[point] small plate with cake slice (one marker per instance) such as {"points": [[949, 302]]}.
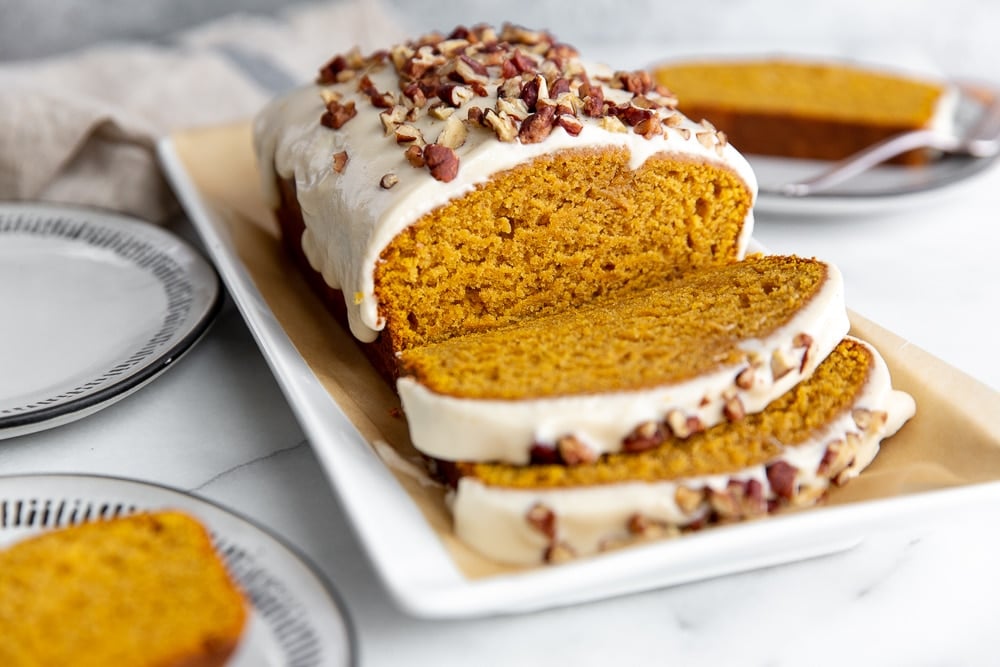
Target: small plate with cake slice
{"points": [[798, 118], [193, 582]]}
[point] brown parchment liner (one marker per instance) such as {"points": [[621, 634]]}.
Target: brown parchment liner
{"points": [[953, 440]]}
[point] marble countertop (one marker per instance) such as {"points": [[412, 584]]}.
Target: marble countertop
{"points": [[917, 593]]}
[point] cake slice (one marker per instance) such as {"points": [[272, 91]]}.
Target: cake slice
{"points": [[826, 429], [463, 182], [140, 591], [622, 374], [808, 108]]}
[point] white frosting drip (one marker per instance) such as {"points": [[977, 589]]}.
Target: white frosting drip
{"points": [[492, 519], [453, 428], [349, 219]]}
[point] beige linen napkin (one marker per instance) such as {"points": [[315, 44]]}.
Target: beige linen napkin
{"points": [[81, 128]]}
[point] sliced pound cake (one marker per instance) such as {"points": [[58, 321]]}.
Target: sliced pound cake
{"points": [[140, 591], [826, 429], [621, 374]]}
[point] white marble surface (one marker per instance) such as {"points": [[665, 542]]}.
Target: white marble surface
{"points": [[917, 593]]}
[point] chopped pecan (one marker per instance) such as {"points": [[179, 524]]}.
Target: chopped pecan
{"points": [[745, 378], [441, 161], [835, 459], [781, 364], [638, 82], [533, 90], [339, 161], [852, 443], [646, 435], [733, 409], [501, 123], [408, 134], [543, 454], [414, 92], [649, 128], [574, 452], [613, 124], [781, 475], [683, 426], [689, 500], [542, 519], [455, 94], [392, 118], [642, 526], [593, 99], [558, 553], [415, 156], [337, 114], [803, 340], [570, 123], [537, 126], [725, 504], [453, 133], [515, 107], [440, 110]]}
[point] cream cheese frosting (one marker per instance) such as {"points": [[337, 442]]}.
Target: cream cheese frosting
{"points": [[531, 526], [349, 219], [455, 428]]}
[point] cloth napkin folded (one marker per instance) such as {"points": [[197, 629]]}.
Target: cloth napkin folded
{"points": [[82, 128]]}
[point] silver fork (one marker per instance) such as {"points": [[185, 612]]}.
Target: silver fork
{"points": [[982, 141]]}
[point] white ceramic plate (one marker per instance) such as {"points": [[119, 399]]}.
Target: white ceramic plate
{"points": [[414, 565], [296, 619], [94, 306], [881, 188]]}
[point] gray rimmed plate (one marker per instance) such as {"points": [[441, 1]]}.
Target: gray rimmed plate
{"points": [[94, 305], [296, 617]]}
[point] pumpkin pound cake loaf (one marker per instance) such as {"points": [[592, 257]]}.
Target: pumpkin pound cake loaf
{"points": [[621, 374], [809, 109], [146, 590], [826, 429], [465, 182]]}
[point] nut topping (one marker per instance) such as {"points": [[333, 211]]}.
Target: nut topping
{"points": [[781, 364], [733, 409], [453, 134], [542, 519], [442, 162], [415, 156], [337, 114], [689, 500], [782, 475], [408, 134], [682, 426], [574, 452], [339, 161], [646, 435], [746, 377], [388, 181]]}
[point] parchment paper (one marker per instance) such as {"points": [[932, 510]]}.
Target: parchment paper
{"points": [[953, 440]]}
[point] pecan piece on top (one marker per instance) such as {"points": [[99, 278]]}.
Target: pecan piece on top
{"points": [[441, 161]]}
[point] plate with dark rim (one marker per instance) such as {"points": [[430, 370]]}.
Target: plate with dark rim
{"points": [[95, 306], [296, 617]]}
